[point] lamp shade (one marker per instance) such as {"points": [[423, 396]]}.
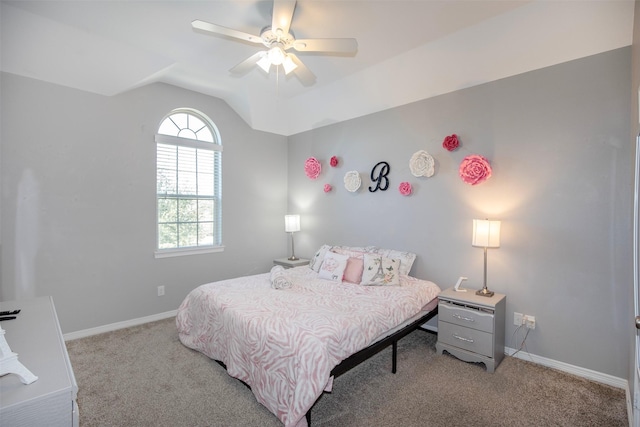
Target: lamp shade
{"points": [[288, 64], [291, 223], [264, 63], [486, 233], [276, 55]]}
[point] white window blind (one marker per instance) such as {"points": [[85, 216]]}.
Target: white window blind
{"points": [[188, 165]]}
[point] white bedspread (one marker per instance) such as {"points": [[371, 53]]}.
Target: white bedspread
{"points": [[285, 342]]}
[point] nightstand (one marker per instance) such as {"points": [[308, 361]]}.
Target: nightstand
{"points": [[471, 327], [287, 263]]}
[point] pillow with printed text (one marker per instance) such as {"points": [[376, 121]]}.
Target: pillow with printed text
{"points": [[333, 266]]}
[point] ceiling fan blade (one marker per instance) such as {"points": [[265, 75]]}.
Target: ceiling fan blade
{"points": [[282, 15], [326, 45], [248, 63], [209, 28], [304, 74]]}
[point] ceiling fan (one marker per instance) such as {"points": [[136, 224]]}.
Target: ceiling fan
{"points": [[279, 39]]}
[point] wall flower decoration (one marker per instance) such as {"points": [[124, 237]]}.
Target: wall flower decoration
{"points": [[327, 188], [352, 181], [474, 169], [333, 162], [312, 167], [422, 164], [405, 188], [451, 142]]}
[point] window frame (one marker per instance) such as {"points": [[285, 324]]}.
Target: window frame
{"points": [[214, 146]]}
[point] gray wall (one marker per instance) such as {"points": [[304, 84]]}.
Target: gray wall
{"points": [[559, 143], [78, 200]]}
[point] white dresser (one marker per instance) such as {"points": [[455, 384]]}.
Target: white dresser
{"points": [[36, 337]]}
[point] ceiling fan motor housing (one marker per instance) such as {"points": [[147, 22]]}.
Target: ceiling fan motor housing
{"points": [[269, 37]]}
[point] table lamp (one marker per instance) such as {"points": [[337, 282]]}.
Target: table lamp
{"points": [[486, 234], [291, 225]]}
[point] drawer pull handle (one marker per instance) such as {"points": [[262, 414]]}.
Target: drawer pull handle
{"points": [[466, 319], [469, 340]]}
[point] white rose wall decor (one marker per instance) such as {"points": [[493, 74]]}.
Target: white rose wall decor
{"points": [[422, 164], [352, 181]]}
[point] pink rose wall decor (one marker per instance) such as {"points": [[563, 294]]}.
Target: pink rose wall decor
{"points": [[333, 162], [327, 188], [451, 142], [405, 188], [312, 167], [474, 169]]}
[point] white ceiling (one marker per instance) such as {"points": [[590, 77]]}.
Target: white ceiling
{"points": [[407, 50]]}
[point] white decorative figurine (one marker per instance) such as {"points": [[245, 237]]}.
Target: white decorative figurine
{"points": [[458, 283], [9, 362]]}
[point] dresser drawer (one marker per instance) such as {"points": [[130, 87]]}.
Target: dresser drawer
{"points": [[467, 317], [478, 342]]}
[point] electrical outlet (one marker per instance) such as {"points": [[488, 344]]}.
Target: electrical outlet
{"points": [[160, 291], [530, 321], [518, 319]]}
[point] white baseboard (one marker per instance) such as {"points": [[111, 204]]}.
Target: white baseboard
{"points": [[571, 369], [630, 414], [119, 325], [580, 372]]}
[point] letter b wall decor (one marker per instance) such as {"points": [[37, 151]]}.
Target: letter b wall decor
{"points": [[379, 176]]}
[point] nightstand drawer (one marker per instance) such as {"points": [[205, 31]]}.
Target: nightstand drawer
{"points": [[469, 339], [467, 317]]}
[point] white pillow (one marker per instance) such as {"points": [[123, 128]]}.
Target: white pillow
{"points": [[379, 270], [333, 266], [318, 257]]}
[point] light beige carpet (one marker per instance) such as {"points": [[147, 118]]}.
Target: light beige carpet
{"points": [[144, 376]]}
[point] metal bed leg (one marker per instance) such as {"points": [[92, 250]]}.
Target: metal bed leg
{"points": [[394, 356]]}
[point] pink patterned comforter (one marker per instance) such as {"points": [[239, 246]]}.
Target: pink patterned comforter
{"points": [[284, 343]]}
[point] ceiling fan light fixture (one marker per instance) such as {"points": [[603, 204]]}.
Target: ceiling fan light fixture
{"points": [[264, 63], [276, 55], [289, 65]]}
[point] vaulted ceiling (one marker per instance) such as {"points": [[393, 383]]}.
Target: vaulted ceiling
{"points": [[407, 50]]}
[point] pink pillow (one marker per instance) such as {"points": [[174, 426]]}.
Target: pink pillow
{"points": [[353, 271]]}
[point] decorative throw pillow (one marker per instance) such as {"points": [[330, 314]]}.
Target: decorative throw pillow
{"points": [[406, 259], [353, 272], [317, 259], [333, 266], [379, 270]]}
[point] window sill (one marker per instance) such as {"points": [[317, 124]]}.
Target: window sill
{"points": [[168, 253]]}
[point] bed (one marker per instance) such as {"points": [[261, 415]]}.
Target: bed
{"points": [[288, 342]]}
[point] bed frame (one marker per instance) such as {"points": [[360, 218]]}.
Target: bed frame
{"points": [[356, 358]]}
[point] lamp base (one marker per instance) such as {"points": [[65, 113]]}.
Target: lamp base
{"points": [[484, 292], [293, 258]]}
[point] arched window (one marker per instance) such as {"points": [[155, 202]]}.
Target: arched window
{"points": [[189, 184]]}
